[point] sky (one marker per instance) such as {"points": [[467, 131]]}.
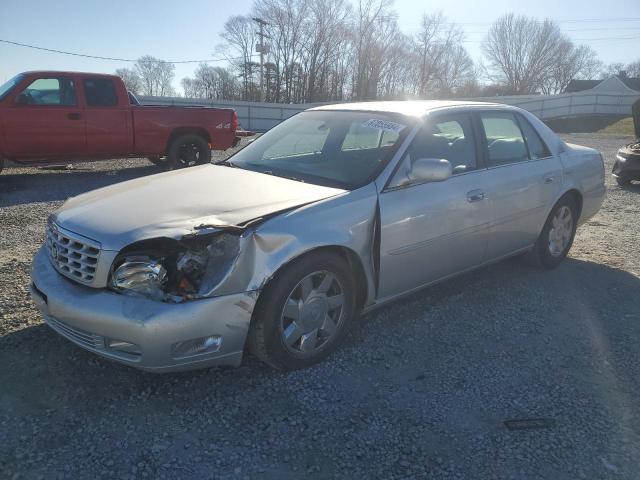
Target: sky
{"points": [[189, 29]]}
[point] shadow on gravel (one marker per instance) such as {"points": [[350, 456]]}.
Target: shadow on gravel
{"points": [[37, 357], [444, 368], [48, 186], [634, 187]]}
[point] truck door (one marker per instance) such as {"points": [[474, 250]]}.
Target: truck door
{"points": [[45, 120], [108, 118]]}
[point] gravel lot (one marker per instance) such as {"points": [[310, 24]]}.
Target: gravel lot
{"points": [[421, 389]]}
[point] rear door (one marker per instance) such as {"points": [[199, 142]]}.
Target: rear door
{"points": [[45, 120], [524, 180], [432, 230], [108, 118]]}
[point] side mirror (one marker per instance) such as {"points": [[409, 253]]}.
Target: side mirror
{"points": [[430, 170], [22, 99]]}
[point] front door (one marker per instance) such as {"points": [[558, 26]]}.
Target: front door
{"points": [[45, 121], [432, 230]]}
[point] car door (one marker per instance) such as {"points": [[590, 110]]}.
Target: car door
{"points": [[432, 230], [108, 118], [524, 180], [45, 120]]}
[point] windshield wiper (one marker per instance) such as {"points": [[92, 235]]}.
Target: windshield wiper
{"points": [[270, 172], [227, 163]]}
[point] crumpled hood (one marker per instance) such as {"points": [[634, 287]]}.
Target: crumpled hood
{"points": [[172, 204]]}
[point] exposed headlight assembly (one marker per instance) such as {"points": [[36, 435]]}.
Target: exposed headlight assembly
{"points": [[140, 275], [184, 270]]}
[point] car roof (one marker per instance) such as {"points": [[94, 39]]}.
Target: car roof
{"points": [[413, 108]]}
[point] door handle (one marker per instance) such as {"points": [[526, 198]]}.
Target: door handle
{"points": [[548, 179], [74, 116], [475, 196]]}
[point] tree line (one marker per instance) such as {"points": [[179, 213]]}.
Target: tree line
{"points": [[334, 50]]}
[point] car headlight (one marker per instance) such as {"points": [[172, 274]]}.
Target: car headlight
{"points": [[140, 275], [175, 271]]}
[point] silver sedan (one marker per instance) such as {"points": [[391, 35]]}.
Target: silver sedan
{"points": [[334, 212]]}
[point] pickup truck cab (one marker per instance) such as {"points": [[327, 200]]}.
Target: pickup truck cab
{"points": [[58, 117]]}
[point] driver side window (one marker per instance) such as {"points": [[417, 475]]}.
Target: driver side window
{"points": [[49, 91], [447, 137]]}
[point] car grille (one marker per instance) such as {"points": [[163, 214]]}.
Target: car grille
{"points": [[81, 337], [72, 255]]}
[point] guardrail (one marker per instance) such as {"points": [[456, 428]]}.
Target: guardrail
{"points": [[260, 116]]}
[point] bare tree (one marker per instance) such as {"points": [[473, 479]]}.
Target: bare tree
{"points": [[633, 69], [130, 78], [156, 76], [240, 37], [612, 69], [522, 51], [571, 62], [442, 63]]}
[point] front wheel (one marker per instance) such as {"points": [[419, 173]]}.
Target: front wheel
{"points": [[304, 314], [188, 150], [557, 235]]}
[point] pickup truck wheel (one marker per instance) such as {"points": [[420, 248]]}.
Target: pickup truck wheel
{"points": [[557, 235], [304, 313], [188, 150]]}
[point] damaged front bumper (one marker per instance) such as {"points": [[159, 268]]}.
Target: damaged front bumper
{"points": [[139, 332]]}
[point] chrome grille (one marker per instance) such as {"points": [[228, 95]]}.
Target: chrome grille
{"points": [[74, 334], [71, 254]]}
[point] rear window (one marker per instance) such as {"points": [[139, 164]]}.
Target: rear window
{"points": [[100, 92], [537, 148]]}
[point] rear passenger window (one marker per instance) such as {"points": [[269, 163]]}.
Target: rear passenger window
{"points": [[100, 92], [537, 148], [505, 143], [450, 138]]}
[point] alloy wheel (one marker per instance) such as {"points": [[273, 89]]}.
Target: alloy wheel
{"points": [[561, 231], [312, 313]]}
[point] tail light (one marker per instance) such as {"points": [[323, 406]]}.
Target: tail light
{"points": [[234, 121]]}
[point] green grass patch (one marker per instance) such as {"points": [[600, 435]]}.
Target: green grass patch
{"points": [[621, 127]]}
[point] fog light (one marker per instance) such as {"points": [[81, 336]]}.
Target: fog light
{"points": [[197, 346], [122, 346]]}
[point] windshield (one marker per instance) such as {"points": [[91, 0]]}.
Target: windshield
{"points": [[6, 87], [342, 149]]}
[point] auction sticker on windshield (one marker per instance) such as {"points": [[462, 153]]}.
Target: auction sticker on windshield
{"points": [[384, 125]]}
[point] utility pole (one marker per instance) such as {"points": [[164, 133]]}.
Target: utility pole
{"points": [[262, 49]]}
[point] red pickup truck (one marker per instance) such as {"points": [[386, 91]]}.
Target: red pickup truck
{"points": [[67, 116]]}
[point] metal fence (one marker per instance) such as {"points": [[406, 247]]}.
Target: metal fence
{"points": [[260, 117]]}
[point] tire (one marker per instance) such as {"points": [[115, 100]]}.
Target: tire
{"points": [[551, 249], [187, 151], [623, 181], [277, 338]]}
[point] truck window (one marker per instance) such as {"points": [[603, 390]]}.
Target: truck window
{"points": [[100, 92], [50, 91]]}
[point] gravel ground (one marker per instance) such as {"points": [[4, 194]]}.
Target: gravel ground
{"points": [[421, 389]]}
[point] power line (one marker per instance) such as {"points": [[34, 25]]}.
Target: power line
{"points": [[583, 20], [97, 57]]}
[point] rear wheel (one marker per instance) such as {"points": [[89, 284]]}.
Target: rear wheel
{"points": [[304, 314], [557, 235], [188, 150]]}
